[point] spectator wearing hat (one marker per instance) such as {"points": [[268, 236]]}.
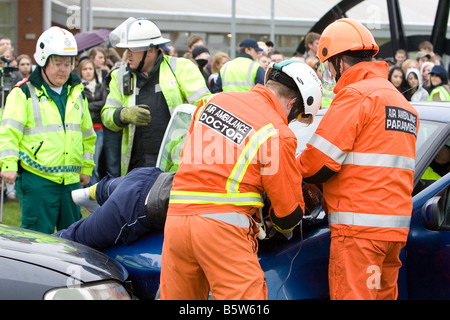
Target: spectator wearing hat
{"points": [[422, 57], [165, 49], [428, 47], [201, 56], [440, 89], [391, 62], [242, 73]]}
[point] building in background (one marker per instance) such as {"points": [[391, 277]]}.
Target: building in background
{"points": [[285, 22]]}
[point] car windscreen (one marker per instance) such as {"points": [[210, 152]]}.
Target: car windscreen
{"points": [[428, 131]]}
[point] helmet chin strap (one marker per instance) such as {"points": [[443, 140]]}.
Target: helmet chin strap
{"points": [[141, 64], [48, 79], [337, 67], [298, 108]]}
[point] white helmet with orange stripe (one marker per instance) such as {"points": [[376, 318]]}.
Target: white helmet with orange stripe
{"points": [[55, 41]]}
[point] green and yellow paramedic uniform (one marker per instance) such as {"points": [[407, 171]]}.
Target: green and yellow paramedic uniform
{"points": [[48, 138]]}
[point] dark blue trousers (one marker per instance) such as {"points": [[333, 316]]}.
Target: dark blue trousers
{"points": [[121, 217]]}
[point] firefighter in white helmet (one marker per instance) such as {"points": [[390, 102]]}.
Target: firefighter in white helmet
{"points": [[47, 142], [144, 93]]}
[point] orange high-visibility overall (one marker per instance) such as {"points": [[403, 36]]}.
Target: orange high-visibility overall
{"points": [[367, 138], [238, 146]]}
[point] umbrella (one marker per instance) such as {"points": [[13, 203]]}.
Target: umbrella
{"points": [[89, 39]]}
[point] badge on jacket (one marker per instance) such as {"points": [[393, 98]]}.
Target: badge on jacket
{"points": [[225, 123]]}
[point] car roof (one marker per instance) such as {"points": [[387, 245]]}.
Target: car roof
{"points": [[432, 110]]}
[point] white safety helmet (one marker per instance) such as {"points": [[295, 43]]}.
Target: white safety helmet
{"points": [[137, 35], [298, 76], [55, 41]]}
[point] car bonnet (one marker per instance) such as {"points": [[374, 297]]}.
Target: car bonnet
{"points": [[80, 262]]}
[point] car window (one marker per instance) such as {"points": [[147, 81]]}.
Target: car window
{"points": [[428, 132]]}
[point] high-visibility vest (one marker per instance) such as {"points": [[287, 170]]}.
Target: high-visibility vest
{"points": [[440, 92], [327, 98], [32, 130], [180, 82], [238, 146], [368, 138], [239, 74], [430, 174]]}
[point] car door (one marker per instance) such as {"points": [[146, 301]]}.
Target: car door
{"points": [[427, 253]]}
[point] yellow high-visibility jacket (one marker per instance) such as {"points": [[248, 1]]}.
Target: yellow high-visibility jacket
{"points": [[239, 74], [180, 82], [33, 132]]}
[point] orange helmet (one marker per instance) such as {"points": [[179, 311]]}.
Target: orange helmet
{"points": [[345, 35]]}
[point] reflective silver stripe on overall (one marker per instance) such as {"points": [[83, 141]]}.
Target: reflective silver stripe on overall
{"points": [[234, 218], [369, 220], [361, 159]]}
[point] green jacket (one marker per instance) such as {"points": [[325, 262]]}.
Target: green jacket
{"points": [[180, 82], [56, 142]]}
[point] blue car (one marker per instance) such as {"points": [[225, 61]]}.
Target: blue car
{"points": [[296, 265]]}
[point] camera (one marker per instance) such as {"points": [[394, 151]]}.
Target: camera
{"points": [[127, 84], [7, 77]]}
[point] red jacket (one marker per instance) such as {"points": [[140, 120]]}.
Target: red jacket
{"points": [[238, 146], [364, 152]]}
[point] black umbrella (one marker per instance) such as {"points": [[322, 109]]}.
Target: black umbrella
{"points": [[89, 39]]}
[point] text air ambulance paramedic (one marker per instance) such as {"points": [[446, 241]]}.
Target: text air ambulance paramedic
{"points": [[364, 153]]}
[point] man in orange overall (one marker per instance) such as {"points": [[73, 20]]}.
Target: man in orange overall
{"points": [[239, 145], [364, 154]]}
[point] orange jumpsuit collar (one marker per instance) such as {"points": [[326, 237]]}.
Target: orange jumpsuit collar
{"points": [[362, 71]]}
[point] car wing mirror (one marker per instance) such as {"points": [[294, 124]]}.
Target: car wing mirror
{"points": [[434, 215]]}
